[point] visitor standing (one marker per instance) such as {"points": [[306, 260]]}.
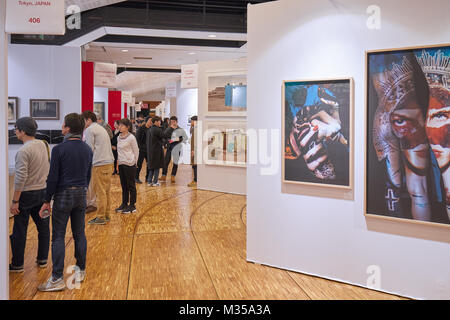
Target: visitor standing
{"points": [[98, 139], [141, 137], [193, 131], [31, 170], [176, 136], [104, 124], [128, 154], [156, 154], [68, 179], [114, 144]]}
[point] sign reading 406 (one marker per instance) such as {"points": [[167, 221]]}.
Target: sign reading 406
{"points": [[35, 17]]}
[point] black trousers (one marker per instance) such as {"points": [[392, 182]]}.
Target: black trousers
{"points": [[167, 159], [194, 168], [115, 160], [30, 203], [127, 176], [142, 156]]}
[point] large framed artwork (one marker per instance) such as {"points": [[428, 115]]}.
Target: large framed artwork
{"points": [[317, 132], [99, 108], [226, 143], [44, 109], [408, 134], [13, 109], [227, 94]]}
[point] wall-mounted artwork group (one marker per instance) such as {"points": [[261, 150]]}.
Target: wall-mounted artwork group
{"points": [[408, 134], [317, 132], [226, 143], [227, 95]]}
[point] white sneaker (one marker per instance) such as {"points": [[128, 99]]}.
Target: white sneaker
{"points": [[156, 184], [150, 184], [80, 275], [51, 285]]}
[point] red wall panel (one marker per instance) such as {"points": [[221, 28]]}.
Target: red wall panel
{"points": [[87, 86], [114, 106]]}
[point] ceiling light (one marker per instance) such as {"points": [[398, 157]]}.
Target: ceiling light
{"points": [[191, 53], [124, 50], [127, 62], [212, 36]]}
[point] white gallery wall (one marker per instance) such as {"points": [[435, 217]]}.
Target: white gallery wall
{"points": [[215, 177], [4, 174], [326, 236], [44, 72], [187, 106]]}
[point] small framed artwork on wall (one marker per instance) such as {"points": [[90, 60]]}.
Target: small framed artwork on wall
{"points": [[13, 109], [44, 109], [318, 132]]}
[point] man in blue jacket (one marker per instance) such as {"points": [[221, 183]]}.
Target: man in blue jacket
{"points": [[67, 183]]}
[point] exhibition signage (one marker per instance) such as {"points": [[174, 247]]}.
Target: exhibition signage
{"points": [[171, 90], [105, 75], [189, 76], [127, 97], [35, 17]]}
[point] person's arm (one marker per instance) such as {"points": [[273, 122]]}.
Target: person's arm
{"points": [[52, 181], [89, 173], [53, 175], [135, 148], [21, 175], [90, 139]]}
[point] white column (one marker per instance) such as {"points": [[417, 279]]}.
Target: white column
{"points": [[4, 172]]}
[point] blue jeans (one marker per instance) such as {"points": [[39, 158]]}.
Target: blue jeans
{"points": [[68, 203], [30, 203], [153, 176]]}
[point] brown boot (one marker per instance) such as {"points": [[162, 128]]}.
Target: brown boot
{"points": [[172, 179], [90, 209], [163, 178], [193, 184]]}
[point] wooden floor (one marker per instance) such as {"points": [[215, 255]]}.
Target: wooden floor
{"points": [[182, 243]]}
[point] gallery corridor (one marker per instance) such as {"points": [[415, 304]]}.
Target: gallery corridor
{"points": [[182, 243]]}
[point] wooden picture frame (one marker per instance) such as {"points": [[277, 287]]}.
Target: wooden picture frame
{"points": [[46, 114], [15, 112], [350, 139], [221, 76], [368, 138], [228, 126]]}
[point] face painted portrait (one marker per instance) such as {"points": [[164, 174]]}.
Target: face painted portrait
{"points": [[317, 132], [408, 137]]}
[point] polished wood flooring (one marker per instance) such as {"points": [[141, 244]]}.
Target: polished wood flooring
{"points": [[182, 243]]}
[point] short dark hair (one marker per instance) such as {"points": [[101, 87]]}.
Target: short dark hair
{"points": [[125, 122], [89, 115], [155, 119], [75, 122], [27, 125], [174, 118], [194, 118]]}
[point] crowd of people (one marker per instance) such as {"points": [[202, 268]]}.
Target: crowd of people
{"points": [[77, 174]]}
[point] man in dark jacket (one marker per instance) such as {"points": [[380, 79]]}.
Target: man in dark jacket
{"points": [[141, 137], [175, 136], [155, 151]]}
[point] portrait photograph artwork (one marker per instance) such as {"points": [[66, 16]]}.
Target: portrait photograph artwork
{"points": [[43, 109], [13, 109], [317, 130], [408, 149]]}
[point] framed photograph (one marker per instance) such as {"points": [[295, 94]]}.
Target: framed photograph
{"points": [[12, 138], [317, 132], [226, 143], [407, 134], [56, 136], [13, 109], [99, 108], [227, 94], [44, 135], [44, 109]]}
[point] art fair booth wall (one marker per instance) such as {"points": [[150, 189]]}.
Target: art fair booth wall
{"points": [[318, 230], [217, 177]]}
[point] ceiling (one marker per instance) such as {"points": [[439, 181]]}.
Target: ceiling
{"points": [[144, 83]]}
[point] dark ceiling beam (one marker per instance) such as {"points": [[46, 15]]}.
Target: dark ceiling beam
{"points": [[156, 70], [171, 41]]}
